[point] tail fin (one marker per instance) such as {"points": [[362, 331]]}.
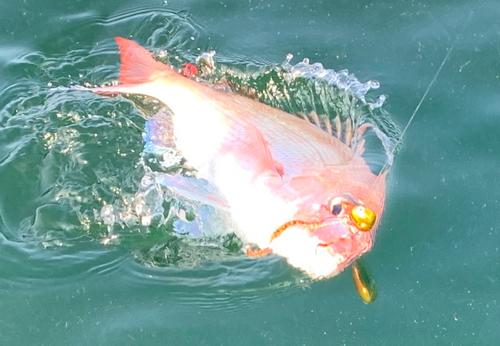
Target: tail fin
{"points": [[137, 63]]}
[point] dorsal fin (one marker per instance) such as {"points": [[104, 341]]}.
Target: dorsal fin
{"points": [[137, 63], [364, 139], [343, 130]]}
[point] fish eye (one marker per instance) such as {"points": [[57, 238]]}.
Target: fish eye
{"points": [[338, 206], [336, 209], [364, 218]]}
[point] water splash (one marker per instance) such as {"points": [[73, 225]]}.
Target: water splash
{"points": [[335, 98], [341, 79]]}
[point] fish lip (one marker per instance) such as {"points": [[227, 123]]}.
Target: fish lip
{"points": [[332, 228], [315, 227]]}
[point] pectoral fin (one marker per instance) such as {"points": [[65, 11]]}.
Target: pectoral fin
{"points": [[194, 189]]}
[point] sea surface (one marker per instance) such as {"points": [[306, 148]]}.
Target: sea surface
{"points": [[65, 154]]}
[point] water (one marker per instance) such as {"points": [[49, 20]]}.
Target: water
{"points": [[436, 258]]}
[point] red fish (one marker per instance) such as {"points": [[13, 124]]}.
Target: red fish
{"points": [[291, 188]]}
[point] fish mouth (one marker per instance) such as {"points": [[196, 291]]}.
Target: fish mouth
{"points": [[315, 228], [323, 250], [311, 227], [289, 224]]}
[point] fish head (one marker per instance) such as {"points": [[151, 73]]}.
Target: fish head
{"points": [[324, 238]]}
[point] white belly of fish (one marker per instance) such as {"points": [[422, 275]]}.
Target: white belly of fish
{"points": [[254, 206]]}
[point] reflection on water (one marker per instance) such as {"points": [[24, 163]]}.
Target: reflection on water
{"points": [[218, 283]]}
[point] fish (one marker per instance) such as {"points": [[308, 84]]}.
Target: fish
{"points": [[292, 189]]}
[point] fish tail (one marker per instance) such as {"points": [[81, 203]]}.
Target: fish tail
{"points": [[137, 63]]}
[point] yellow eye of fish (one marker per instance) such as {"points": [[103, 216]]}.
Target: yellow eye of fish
{"points": [[364, 218]]}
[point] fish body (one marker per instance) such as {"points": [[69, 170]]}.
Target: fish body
{"points": [[291, 188]]}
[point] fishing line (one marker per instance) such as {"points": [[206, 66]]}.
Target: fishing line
{"points": [[422, 99], [424, 96]]}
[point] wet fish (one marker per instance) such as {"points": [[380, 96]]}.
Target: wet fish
{"points": [[291, 188]]}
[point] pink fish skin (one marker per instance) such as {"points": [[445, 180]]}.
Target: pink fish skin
{"points": [[290, 187]]}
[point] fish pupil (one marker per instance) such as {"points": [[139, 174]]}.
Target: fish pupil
{"points": [[337, 209]]}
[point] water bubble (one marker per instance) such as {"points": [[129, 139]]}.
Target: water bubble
{"points": [[379, 103], [107, 215], [374, 84]]}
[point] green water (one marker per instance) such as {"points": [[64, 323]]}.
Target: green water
{"points": [[436, 258]]}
